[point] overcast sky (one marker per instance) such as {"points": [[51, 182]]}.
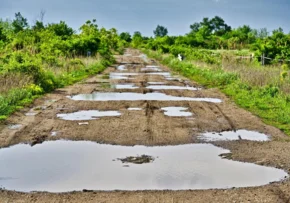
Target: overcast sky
{"points": [[145, 15]]}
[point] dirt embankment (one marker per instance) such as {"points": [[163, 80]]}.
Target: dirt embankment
{"points": [[149, 127]]}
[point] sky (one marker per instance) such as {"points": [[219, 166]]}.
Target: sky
{"points": [[145, 15]]}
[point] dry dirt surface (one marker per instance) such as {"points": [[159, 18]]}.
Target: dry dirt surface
{"points": [[149, 127]]}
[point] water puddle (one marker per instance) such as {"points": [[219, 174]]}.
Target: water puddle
{"points": [[31, 113], [127, 96], [14, 126], [234, 135], [87, 115], [121, 76], [156, 83], [134, 109], [165, 74], [176, 111], [173, 79], [168, 87], [63, 166], [124, 86], [84, 123], [144, 57], [151, 68], [122, 68]]}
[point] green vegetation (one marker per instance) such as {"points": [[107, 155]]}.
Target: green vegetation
{"points": [[35, 59], [264, 99], [160, 31], [218, 56]]}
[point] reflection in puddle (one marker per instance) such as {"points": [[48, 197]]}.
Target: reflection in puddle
{"points": [[156, 83], [165, 74], [176, 111], [173, 79], [87, 115], [231, 135], [168, 87], [62, 166], [135, 109], [120, 76], [125, 86], [122, 68], [31, 113], [14, 126], [125, 96], [151, 68], [144, 57]]}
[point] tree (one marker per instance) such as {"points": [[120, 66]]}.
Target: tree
{"points": [[137, 34], [195, 27], [137, 39], [263, 33], [61, 29], [219, 26], [126, 36], [38, 25], [160, 31], [19, 23], [2, 36]]}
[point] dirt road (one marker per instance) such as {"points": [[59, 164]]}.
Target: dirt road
{"points": [[150, 127]]}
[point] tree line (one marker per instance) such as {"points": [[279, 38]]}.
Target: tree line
{"points": [[216, 34]]}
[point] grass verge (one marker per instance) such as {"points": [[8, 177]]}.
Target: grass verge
{"points": [[13, 99], [268, 102]]}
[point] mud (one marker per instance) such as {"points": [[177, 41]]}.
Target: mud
{"points": [[150, 127], [137, 159]]}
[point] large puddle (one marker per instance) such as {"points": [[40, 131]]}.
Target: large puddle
{"points": [[234, 135], [176, 111], [169, 87], [125, 96], [87, 115], [62, 166]]}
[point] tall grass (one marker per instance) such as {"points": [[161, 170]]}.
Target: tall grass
{"points": [[260, 90], [19, 89]]}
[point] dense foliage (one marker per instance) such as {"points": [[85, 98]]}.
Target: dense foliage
{"points": [[213, 34], [49, 56]]}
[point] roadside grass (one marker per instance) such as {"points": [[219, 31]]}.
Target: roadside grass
{"points": [[18, 90], [260, 90]]}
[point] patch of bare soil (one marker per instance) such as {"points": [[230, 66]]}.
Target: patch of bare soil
{"points": [[149, 127]]}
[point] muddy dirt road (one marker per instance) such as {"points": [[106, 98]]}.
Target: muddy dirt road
{"points": [[134, 103]]}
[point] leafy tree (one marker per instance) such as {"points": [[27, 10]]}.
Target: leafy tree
{"points": [[137, 39], [262, 33], [160, 31], [19, 23], [38, 25], [61, 29], [2, 35], [126, 36], [195, 27], [137, 34]]}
